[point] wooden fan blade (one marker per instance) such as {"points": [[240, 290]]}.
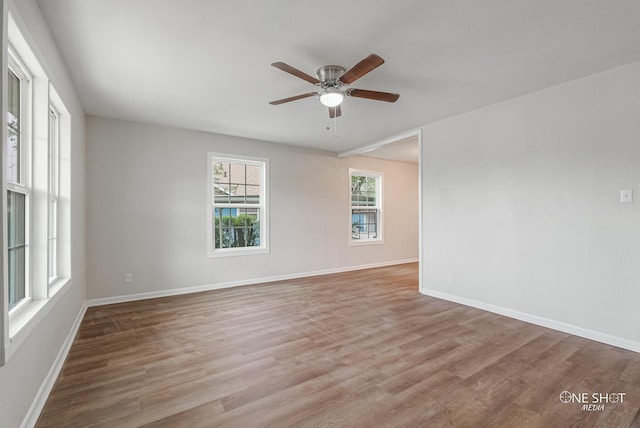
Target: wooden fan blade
{"points": [[373, 95], [361, 68], [297, 97], [294, 71], [335, 112]]}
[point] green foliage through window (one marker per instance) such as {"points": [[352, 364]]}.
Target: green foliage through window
{"points": [[363, 190], [236, 231]]}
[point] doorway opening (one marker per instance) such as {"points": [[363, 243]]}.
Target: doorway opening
{"points": [[406, 147]]}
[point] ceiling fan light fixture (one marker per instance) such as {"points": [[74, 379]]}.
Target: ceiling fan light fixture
{"points": [[331, 97]]}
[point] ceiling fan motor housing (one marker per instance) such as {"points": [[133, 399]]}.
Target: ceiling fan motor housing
{"points": [[329, 75]]}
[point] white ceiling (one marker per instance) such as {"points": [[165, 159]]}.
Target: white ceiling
{"points": [[205, 65]]}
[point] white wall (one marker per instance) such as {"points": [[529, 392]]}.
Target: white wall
{"points": [[521, 204], [24, 372], [146, 210]]}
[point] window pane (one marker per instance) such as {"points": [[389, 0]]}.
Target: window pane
{"points": [[16, 249], [254, 178], [221, 193], [52, 259], [236, 227], [52, 250], [236, 183], [53, 205], [252, 194], [363, 191], [364, 224], [237, 175], [13, 134], [53, 152]]}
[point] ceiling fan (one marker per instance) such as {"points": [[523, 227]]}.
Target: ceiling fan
{"points": [[332, 79]]}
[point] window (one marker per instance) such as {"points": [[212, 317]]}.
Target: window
{"points": [[18, 191], [37, 192], [366, 206], [52, 214], [237, 205]]}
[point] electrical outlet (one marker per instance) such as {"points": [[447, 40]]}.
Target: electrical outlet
{"points": [[626, 196], [128, 278], [450, 278]]}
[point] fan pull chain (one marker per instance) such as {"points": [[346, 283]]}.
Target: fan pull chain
{"points": [[335, 126]]}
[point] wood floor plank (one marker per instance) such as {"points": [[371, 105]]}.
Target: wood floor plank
{"points": [[360, 348]]}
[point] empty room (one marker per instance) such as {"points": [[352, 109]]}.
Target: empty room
{"points": [[320, 214]]}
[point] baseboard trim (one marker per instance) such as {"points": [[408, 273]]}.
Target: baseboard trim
{"points": [[229, 284], [537, 320], [50, 379]]}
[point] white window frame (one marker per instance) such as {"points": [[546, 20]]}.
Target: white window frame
{"points": [[23, 186], [59, 192], [379, 177], [22, 319], [263, 206]]}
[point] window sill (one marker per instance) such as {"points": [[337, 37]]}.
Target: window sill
{"points": [[22, 324], [360, 243], [237, 252], [57, 285]]}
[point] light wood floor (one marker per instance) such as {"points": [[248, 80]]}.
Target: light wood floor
{"points": [[346, 350]]}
